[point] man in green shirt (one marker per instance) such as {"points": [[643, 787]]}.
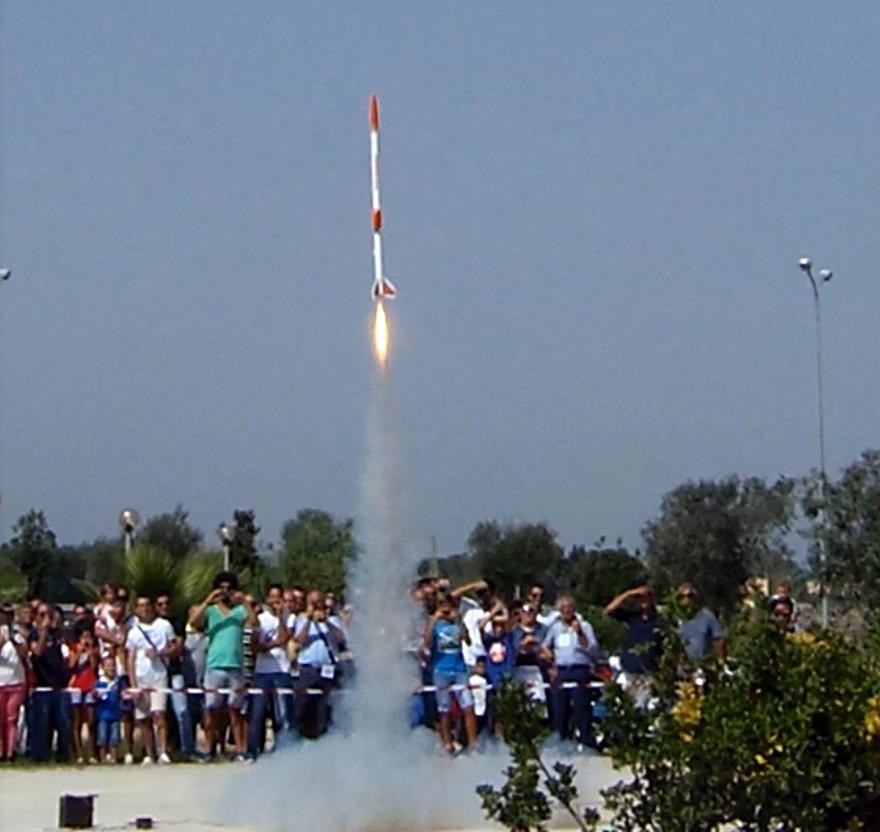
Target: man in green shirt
{"points": [[223, 616]]}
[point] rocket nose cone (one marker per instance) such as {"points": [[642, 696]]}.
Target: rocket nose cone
{"points": [[374, 113]]}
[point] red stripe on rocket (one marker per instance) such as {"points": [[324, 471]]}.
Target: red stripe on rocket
{"points": [[382, 287]]}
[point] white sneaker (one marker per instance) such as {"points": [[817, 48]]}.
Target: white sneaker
{"points": [[129, 759], [147, 761], [164, 759]]}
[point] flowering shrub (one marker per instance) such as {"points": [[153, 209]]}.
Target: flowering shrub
{"points": [[788, 737]]}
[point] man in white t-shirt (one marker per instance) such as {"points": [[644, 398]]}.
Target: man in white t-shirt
{"points": [[477, 617], [149, 645], [272, 674]]}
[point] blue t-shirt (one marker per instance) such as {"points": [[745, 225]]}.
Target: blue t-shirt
{"points": [[107, 694], [446, 653], [699, 634], [500, 658]]}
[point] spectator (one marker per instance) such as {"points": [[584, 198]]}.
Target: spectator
{"points": [[499, 660], [478, 684], [83, 661], [180, 702], [50, 706], [111, 628], [223, 615], [782, 610], [477, 615], [150, 643], [700, 631], [13, 656], [271, 673], [783, 590], [528, 635], [82, 619], [425, 595], [537, 598], [108, 598], [499, 652], [108, 710], [194, 661], [643, 643], [295, 600], [444, 636], [531, 658], [318, 638], [572, 642]]}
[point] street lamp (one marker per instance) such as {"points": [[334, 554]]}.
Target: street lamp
{"points": [[129, 520], [5, 274], [226, 533], [824, 276]]}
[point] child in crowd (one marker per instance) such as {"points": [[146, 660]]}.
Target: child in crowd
{"points": [[500, 662], [444, 635], [108, 693], [83, 662], [478, 683]]}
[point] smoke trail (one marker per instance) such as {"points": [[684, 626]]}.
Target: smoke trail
{"points": [[372, 773]]}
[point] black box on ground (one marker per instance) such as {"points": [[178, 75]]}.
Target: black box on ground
{"points": [[76, 811]]}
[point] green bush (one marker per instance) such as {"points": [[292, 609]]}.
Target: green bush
{"points": [[789, 738]]}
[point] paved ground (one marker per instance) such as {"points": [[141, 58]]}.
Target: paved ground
{"points": [[192, 798]]}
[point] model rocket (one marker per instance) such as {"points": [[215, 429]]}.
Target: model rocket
{"points": [[382, 287]]}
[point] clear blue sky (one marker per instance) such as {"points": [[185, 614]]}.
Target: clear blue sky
{"points": [[593, 213]]}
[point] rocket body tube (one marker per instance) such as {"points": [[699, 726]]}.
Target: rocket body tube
{"points": [[382, 287]]}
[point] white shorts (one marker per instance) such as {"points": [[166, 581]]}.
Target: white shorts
{"points": [[78, 697], [150, 702]]}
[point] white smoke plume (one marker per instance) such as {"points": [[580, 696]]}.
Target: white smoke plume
{"points": [[371, 773]]}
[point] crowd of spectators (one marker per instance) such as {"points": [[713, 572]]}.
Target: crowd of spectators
{"points": [[125, 678]]}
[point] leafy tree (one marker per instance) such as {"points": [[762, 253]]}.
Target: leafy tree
{"points": [[243, 548], [848, 528], [105, 561], [150, 571], [13, 584], [316, 550], [172, 532], [515, 555], [31, 550], [596, 576], [719, 534], [457, 569], [67, 564]]}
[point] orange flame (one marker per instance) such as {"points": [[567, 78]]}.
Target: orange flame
{"points": [[381, 335]]}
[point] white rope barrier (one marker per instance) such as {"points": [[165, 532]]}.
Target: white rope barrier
{"points": [[310, 691]]}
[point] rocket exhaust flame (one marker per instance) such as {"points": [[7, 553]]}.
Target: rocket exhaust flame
{"points": [[381, 335]]}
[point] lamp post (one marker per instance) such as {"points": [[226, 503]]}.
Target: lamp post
{"points": [[5, 274], [129, 520], [825, 275], [226, 533]]}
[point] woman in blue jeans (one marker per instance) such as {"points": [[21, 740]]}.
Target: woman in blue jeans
{"points": [[443, 638]]}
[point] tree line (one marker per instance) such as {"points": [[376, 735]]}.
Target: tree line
{"points": [[715, 533]]}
